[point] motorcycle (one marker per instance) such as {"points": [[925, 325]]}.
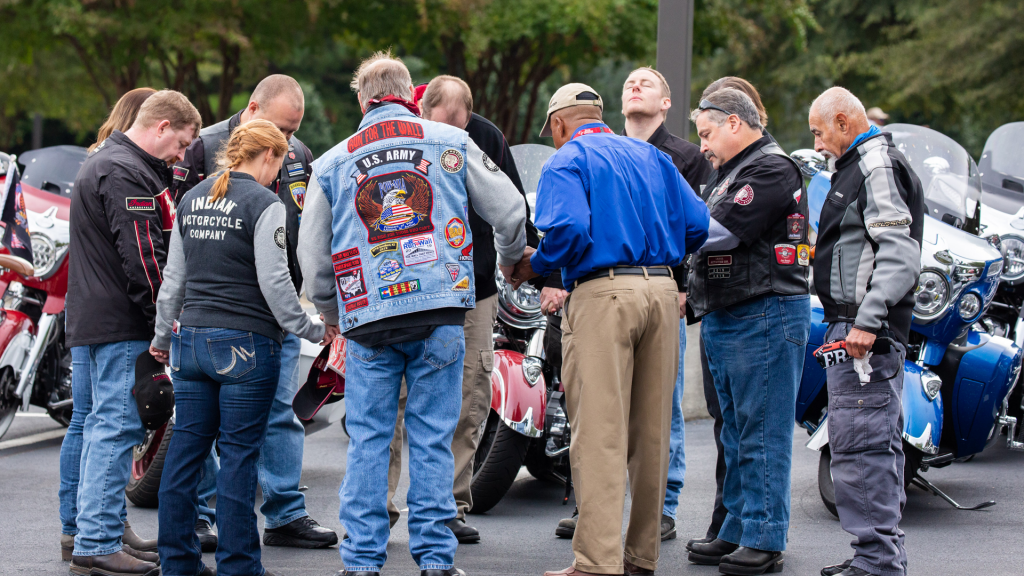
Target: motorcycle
{"points": [[35, 365], [956, 375], [1002, 224], [526, 423]]}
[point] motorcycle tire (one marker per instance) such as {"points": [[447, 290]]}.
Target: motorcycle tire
{"points": [[826, 488], [147, 466], [499, 456], [9, 403], [539, 465]]}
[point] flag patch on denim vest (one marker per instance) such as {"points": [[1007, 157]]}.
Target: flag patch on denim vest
{"points": [[400, 289], [395, 205], [351, 284], [389, 270]]}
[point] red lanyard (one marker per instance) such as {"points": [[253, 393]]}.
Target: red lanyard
{"points": [[597, 130]]}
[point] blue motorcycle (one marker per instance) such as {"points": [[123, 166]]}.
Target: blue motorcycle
{"points": [[957, 376]]}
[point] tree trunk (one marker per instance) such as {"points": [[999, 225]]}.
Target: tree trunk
{"points": [[230, 54]]}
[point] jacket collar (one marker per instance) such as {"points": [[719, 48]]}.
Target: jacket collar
{"points": [[384, 112], [158, 165], [761, 142], [234, 121], [658, 138], [853, 153]]}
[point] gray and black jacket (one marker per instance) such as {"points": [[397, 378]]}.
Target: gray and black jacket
{"points": [[227, 268], [868, 253]]}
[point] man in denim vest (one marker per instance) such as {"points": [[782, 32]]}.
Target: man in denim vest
{"points": [[387, 254]]}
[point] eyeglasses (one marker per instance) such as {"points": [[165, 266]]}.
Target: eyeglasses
{"points": [[706, 105]]}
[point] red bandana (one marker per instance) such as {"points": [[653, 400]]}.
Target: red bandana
{"points": [[411, 106]]}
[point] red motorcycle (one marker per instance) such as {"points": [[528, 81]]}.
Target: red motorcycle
{"points": [[35, 366], [527, 423]]}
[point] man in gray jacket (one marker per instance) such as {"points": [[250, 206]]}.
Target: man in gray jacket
{"points": [[865, 270]]}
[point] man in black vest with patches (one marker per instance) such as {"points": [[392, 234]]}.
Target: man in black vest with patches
{"points": [[279, 99]]}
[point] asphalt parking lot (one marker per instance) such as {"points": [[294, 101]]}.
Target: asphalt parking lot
{"points": [[518, 535]]}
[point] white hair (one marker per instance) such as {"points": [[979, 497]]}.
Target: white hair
{"points": [[382, 75], [837, 100]]}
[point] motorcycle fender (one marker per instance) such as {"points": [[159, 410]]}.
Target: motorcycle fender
{"points": [[922, 416], [819, 439], [988, 367], [16, 336], [520, 406]]}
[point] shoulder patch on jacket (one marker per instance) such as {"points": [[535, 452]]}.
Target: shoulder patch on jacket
{"points": [[134, 204]]}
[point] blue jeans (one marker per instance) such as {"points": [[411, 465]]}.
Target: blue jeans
{"points": [[280, 463], [111, 429], [677, 445], [433, 372], [224, 382], [71, 447], [755, 351]]}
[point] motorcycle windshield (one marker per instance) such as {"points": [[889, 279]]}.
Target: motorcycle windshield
{"points": [[530, 159], [949, 176], [1002, 169], [53, 169]]}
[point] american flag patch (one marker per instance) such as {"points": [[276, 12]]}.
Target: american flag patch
{"points": [[400, 289], [295, 169], [397, 214], [422, 166]]}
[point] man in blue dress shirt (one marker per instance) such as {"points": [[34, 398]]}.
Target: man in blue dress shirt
{"points": [[617, 216]]}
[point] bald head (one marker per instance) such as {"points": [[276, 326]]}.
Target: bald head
{"points": [[837, 117], [449, 100], [278, 99], [566, 121]]}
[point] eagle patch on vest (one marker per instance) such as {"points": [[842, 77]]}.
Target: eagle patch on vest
{"points": [[395, 205]]}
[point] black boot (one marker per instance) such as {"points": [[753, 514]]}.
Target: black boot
{"points": [[465, 534], [668, 527], [449, 572], [705, 540], [854, 571], [710, 553], [835, 569], [748, 561], [208, 571], [347, 573], [567, 526], [302, 533], [207, 537]]}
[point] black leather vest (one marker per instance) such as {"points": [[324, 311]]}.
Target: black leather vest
{"points": [[778, 262]]}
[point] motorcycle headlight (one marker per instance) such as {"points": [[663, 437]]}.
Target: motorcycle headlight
{"points": [[1012, 248], [931, 295], [526, 298], [45, 253], [969, 306]]}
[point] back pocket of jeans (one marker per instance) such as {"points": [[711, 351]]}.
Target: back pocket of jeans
{"points": [[860, 422], [233, 357], [174, 356], [444, 346]]}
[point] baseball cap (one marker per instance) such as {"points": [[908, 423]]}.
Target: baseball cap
{"points": [[566, 97], [153, 391], [323, 386], [875, 113]]}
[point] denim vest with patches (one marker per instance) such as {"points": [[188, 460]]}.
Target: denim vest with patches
{"points": [[401, 243]]}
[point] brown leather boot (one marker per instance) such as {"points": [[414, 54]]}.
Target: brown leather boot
{"points": [[570, 571], [67, 547], [144, 556], [116, 564], [135, 541]]}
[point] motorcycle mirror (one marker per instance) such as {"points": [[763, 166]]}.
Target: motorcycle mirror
{"points": [[809, 161]]}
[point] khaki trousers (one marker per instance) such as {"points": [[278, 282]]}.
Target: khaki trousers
{"points": [[621, 356], [476, 402]]}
